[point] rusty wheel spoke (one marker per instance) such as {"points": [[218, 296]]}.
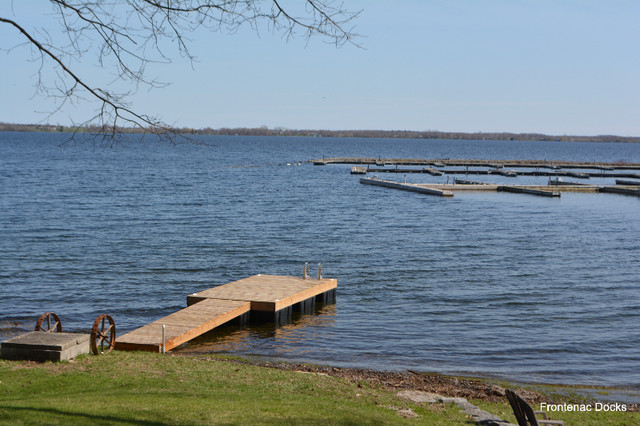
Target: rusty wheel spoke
{"points": [[103, 335], [49, 322]]}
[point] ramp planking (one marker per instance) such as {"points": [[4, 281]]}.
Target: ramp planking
{"points": [[182, 326]]}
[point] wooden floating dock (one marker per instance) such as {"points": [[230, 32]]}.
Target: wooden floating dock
{"points": [[521, 190], [448, 190], [619, 190], [468, 182], [549, 164], [265, 297], [406, 186], [565, 183], [602, 170], [627, 182], [433, 172], [509, 173]]}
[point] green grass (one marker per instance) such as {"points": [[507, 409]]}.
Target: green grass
{"points": [[127, 388]]}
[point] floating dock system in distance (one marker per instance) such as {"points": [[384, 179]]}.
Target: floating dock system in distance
{"points": [[406, 187], [478, 163], [265, 297], [447, 190]]}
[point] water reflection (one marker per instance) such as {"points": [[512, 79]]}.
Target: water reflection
{"points": [[288, 337], [9, 329]]}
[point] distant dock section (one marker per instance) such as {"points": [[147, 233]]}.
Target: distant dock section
{"points": [[413, 187], [448, 190], [496, 164], [548, 168], [264, 297], [438, 167]]}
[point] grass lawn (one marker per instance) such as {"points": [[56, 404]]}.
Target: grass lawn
{"points": [[127, 387], [136, 387]]}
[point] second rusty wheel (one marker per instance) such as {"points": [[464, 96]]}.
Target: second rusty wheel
{"points": [[49, 322], [103, 335]]}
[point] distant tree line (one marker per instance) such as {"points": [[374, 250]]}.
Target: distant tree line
{"points": [[279, 131]]}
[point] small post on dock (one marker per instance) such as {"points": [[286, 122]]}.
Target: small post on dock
{"points": [[305, 271], [319, 271], [163, 339]]}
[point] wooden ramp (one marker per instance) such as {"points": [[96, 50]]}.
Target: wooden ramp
{"points": [[208, 309]]}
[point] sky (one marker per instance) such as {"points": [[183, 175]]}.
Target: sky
{"points": [[524, 66]]}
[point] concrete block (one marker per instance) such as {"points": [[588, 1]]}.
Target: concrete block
{"points": [[41, 346]]}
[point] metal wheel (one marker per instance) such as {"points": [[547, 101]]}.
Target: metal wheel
{"points": [[103, 335], [49, 322]]}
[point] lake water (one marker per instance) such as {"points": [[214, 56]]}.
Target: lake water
{"points": [[492, 284]]}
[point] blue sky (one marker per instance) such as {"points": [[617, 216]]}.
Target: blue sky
{"points": [[555, 67]]}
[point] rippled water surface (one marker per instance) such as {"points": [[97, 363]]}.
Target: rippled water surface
{"points": [[493, 284]]}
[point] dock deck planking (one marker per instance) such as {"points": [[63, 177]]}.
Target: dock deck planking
{"points": [[269, 293], [211, 308]]}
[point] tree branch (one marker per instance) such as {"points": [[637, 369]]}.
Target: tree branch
{"points": [[128, 33]]}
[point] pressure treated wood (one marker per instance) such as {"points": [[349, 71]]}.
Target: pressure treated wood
{"points": [[182, 326], [211, 308], [267, 292]]}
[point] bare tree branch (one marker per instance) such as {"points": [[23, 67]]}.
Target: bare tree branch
{"points": [[125, 36]]}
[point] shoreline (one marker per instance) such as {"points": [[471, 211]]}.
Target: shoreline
{"points": [[482, 388], [320, 133], [144, 387]]}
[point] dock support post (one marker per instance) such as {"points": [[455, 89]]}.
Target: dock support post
{"points": [[327, 298], [307, 306], [163, 339], [243, 319], [283, 316]]}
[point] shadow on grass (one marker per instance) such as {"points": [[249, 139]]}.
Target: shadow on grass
{"points": [[70, 416]]}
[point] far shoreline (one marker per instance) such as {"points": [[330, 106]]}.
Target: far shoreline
{"points": [[320, 133]]}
